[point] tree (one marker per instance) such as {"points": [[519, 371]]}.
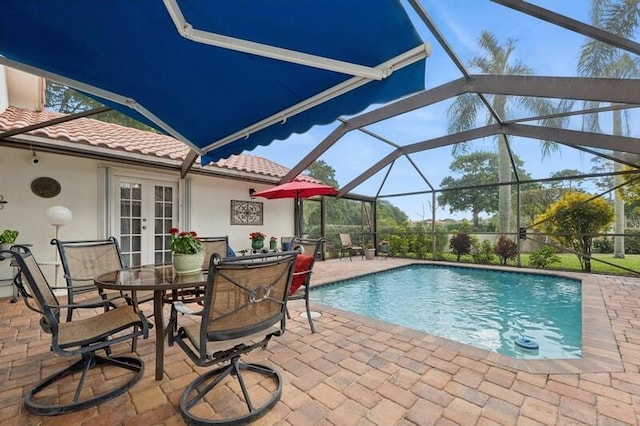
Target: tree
{"points": [[464, 111], [475, 169], [321, 170], [571, 184], [63, 99], [598, 59], [573, 220]]}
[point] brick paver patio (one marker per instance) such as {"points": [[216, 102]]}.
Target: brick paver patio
{"points": [[358, 371]]}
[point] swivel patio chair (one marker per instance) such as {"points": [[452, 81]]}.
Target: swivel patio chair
{"points": [[348, 247], [210, 246], [84, 260], [84, 337], [309, 251], [244, 307]]}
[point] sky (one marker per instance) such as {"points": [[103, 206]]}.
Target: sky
{"points": [[547, 49]]}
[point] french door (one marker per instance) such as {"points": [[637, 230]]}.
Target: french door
{"points": [[145, 211]]}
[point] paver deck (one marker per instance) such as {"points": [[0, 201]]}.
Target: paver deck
{"points": [[359, 371]]}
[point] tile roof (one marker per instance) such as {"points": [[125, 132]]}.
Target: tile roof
{"points": [[88, 131]]}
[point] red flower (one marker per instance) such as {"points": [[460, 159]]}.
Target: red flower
{"points": [[173, 231]]}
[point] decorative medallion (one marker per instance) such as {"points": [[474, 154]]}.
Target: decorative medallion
{"points": [[246, 212], [45, 187]]}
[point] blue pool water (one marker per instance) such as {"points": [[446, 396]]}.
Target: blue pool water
{"points": [[484, 308]]}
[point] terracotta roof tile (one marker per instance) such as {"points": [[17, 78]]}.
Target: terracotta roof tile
{"points": [[97, 133]]}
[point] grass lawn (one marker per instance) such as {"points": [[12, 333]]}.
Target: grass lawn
{"points": [[570, 262]]}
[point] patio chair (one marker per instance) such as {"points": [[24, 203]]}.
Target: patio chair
{"points": [[74, 387], [309, 251], [244, 307], [84, 260], [210, 245], [348, 247]]}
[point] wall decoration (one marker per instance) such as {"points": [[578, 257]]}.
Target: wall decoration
{"points": [[246, 212], [45, 187]]}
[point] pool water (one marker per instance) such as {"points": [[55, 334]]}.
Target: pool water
{"points": [[484, 308]]}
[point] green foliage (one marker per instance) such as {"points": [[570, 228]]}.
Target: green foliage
{"points": [[321, 170], [603, 245], [460, 244], [483, 252], [184, 242], [398, 245], [9, 236], [63, 99], [544, 257], [474, 169], [632, 243], [572, 219], [506, 249]]}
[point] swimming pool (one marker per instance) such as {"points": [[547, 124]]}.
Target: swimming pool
{"points": [[485, 308]]}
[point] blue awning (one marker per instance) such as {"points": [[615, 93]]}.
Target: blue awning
{"points": [[222, 76]]}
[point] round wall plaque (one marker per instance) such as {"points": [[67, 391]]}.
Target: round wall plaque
{"points": [[45, 187]]}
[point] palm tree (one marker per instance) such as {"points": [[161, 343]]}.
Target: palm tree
{"points": [[598, 59], [464, 111]]}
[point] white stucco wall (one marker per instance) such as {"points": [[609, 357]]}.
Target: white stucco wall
{"points": [[210, 210]]}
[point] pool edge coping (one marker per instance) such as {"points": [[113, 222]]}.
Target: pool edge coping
{"points": [[600, 353]]}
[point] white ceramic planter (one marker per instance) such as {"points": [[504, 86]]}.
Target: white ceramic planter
{"points": [[187, 263]]}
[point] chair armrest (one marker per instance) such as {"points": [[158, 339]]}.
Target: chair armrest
{"points": [[100, 303], [184, 309]]}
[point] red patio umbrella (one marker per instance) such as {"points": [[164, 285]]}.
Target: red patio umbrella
{"points": [[298, 190]]}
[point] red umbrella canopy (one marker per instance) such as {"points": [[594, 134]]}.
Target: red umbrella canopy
{"points": [[297, 189]]}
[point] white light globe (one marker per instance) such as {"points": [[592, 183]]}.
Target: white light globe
{"points": [[58, 215]]}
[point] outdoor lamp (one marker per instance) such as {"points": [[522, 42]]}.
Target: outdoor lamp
{"points": [[58, 216]]}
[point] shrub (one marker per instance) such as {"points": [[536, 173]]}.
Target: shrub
{"points": [[543, 257], [603, 245], [484, 252], [506, 249], [460, 244]]}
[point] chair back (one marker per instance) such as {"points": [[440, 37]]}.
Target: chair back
{"points": [[82, 261], [345, 240], [212, 245], [312, 247], [309, 252], [34, 286], [245, 295]]}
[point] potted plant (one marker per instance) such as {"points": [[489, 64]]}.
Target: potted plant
{"points": [[369, 252], [257, 240], [8, 238], [273, 243], [383, 247], [188, 255]]}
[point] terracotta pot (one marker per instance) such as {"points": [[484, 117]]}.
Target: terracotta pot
{"points": [[187, 263]]}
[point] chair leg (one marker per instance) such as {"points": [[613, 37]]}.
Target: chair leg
{"points": [[313, 329], [49, 406], [197, 391]]}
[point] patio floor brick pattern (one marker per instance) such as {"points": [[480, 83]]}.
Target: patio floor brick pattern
{"points": [[359, 371]]}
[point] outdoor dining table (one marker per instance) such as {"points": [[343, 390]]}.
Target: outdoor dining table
{"points": [[159, 278]]}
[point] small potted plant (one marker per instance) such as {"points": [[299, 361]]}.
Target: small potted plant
{"points": [[273, 243], [369, 252], [8, 238], [257, 240], [188, 254]]}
